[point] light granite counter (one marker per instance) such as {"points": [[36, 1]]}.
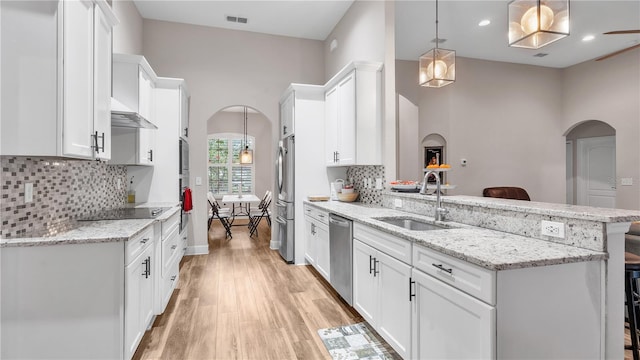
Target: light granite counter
{"points": [[494, 250], [86, 232]]}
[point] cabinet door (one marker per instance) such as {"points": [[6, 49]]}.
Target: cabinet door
{"points": [[287, 116], [102, 85], [347, 120], [146, 290], [132, 304], [322, 256], [365, 289], [331, 126], [184, 112], [449, 324], [309, 240], [145, 95], [77, 75], [146, 145], [394, 320]]}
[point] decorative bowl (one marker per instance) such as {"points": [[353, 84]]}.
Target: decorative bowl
{"points": [[348, 197]]}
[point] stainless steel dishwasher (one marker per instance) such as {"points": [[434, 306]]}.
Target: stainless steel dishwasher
{"points": [[341, 252]]}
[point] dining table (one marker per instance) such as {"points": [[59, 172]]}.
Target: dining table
{"points": [[240, 205]]}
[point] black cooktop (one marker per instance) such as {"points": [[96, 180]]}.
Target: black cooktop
{"points": [[126, 213]]}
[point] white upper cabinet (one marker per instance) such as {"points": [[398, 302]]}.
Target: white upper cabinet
{"points": [[134, 83], [184, 111], [287, 111], [353, 116], [54, 83]]}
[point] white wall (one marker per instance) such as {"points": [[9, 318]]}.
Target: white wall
{"points": [[360, 35], [505, 119], [609, 91], [260, 128], [223, 68], [127, 35], [510, 120]]}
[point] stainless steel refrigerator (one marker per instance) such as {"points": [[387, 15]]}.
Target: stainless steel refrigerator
{"points": [[286, 197]]}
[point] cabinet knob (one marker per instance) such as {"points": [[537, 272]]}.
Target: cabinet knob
{"points": [[174, 247]]}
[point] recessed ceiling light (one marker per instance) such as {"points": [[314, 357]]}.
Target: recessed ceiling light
{"points": [[588, 38], [484, 22]]}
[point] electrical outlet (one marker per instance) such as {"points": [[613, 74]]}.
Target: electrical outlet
{"points": [[379, 183], [626, 181], [552, 228], [397, 203], [28, 192], [119, 184], [198, 181]]}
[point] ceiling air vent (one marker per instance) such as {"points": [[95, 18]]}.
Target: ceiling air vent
{"points": [[236, 19], [540, 55]]}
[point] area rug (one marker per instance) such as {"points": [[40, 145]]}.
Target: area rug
{"points": [[354, 342]]}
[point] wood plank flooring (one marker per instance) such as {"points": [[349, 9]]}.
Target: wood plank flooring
{"points": [[241, 301]]}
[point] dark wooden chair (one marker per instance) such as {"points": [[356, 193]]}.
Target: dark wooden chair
{"points": [[506, 192]]}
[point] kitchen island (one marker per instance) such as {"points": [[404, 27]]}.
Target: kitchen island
{"points": [[575, 277]]}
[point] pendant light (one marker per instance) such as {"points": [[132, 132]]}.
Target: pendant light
{"points": [[246, 155], [437, 66], [536, 23]]}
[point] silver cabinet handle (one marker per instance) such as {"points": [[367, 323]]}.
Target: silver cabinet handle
{"points": [[439, 266]]}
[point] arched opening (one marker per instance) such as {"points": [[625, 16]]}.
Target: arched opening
{"points": [[226, 134], [591, 164]]}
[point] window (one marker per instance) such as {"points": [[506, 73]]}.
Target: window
{"points": [[226, 175]]}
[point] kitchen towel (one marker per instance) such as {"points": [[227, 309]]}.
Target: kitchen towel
{"points": [[187, 203]]}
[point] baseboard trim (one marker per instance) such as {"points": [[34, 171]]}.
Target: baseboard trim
{"points": [[197, 250]]}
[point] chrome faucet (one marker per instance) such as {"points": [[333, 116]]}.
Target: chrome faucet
{"points": [[440, 211]]}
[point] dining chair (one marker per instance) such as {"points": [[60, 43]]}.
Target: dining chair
{"points": [[263, 211], [222, 215]]}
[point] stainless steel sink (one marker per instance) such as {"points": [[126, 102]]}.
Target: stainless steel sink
{"points": [[410, 223]]}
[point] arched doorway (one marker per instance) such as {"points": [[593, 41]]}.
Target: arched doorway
{"points": [[591, 164], [225, 136]]}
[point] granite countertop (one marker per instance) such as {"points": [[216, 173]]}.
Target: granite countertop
{"points": [[490, 249], [85, 232], [552, 209]]}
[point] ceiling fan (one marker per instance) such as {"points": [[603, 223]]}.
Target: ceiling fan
{"points": [[618, 32]]}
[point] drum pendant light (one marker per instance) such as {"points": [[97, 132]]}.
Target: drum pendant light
{"points": [[246, 155], [536, 23], [437, 66]]}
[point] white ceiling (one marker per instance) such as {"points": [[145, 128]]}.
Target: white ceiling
{"points": [[415, 25]]}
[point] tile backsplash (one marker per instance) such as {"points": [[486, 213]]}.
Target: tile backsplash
{"points": [[63, 190], [359, 175]]}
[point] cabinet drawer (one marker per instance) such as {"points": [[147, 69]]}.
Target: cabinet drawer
{"points": [[471, 279], [170, 250], [387, 243], [137, 244], [317, 214], [170, 224]]}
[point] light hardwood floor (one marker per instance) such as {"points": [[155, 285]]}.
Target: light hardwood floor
{"points": [[241, 301]]}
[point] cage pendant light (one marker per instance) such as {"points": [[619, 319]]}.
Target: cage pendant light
{"points": [[437, 66], [536, 23], [246, 155]]}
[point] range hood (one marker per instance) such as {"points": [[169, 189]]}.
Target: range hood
{"points": [[122, 116]]}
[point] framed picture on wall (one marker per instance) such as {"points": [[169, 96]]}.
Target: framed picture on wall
{"points": [[434, 155]]}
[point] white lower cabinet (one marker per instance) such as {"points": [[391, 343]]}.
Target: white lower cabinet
{"points": [[381, 287], [138, 305], [317, 240], [449, 324]]}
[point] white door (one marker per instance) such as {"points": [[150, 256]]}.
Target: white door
{"points": [[596, 160], [347, 120], [394, 321], [331, 126], [309, 239], [449, 324], [365, 289], [102, 86], [322, 255], [78, 79]]}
